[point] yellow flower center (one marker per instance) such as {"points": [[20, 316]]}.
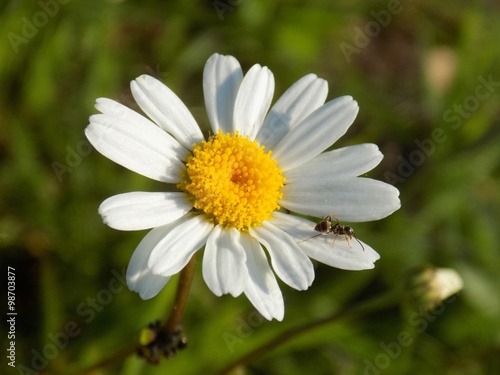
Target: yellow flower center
{"points": [[233, 181]]}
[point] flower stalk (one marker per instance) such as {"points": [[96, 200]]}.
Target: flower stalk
{"points": [[159, 341], [181, 297]]}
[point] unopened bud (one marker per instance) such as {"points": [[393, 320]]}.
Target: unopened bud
{"points": [[429, 286], [147, 336]]}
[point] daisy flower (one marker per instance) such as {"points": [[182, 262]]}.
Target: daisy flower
{"points": [[236, 190]]}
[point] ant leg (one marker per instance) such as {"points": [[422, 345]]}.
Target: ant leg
{"points": [[307, 239], [347, 238], [334, 238]]}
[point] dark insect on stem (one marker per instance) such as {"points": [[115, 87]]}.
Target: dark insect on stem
{"points": [[155, 343]]}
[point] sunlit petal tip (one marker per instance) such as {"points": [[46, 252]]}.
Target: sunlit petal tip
{"points": [[147, 285], [104, 105]]}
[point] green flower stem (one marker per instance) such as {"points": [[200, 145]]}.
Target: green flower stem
{"points": [[377, 303], [181, 297]]}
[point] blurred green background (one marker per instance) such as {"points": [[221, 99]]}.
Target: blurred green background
{"points": [[419, 69]]}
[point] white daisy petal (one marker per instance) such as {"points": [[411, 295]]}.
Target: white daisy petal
{"points": [[342, 163], [222, 77], [328, 249], [139, 277], [316, 132], [289, 262], [302, 98], [175, 250], [166, 109], [140, 147], [340, 253], [117, 110], [262, 288], [353, 199], [224, 268], [143, 210], [253, 100]]}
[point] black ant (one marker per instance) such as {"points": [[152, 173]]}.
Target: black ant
{"points": [[325, 226]]}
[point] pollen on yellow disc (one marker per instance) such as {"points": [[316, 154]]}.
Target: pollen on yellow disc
{"points": [[233, 180]]}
